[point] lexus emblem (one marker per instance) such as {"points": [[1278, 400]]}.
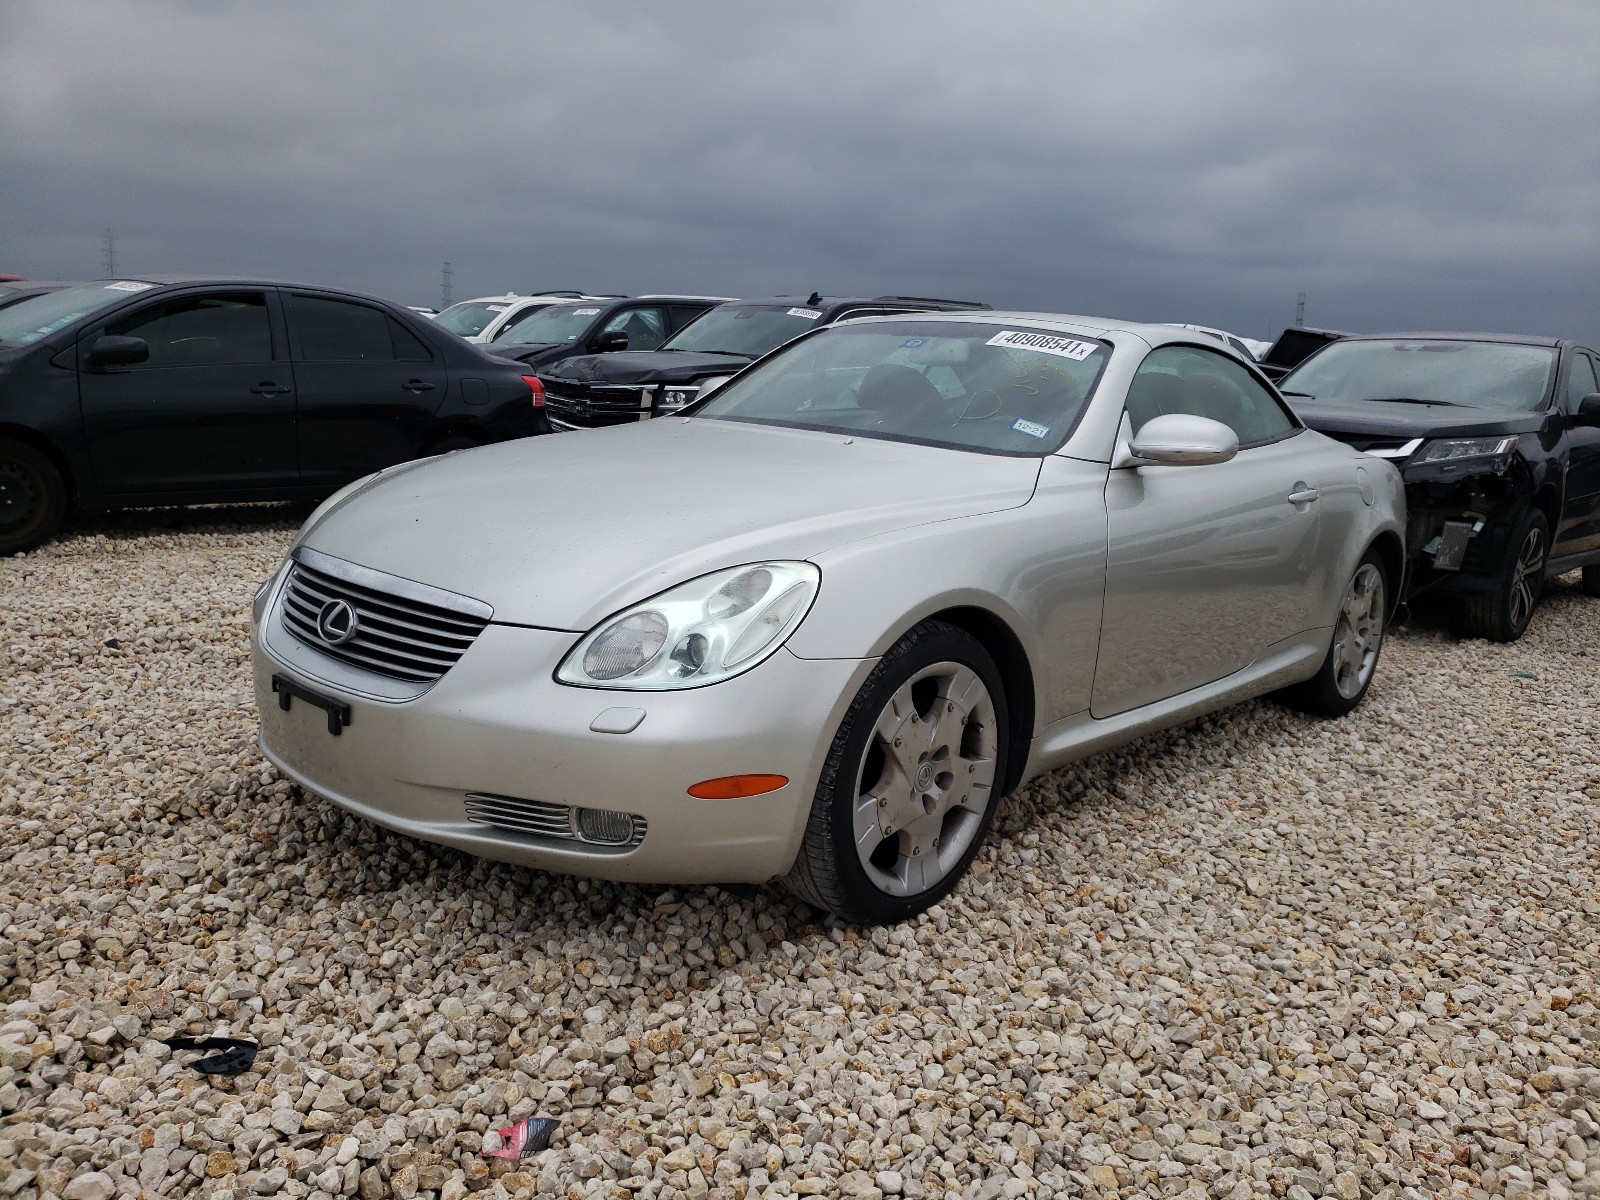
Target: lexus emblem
{"points": [[337, 622]]}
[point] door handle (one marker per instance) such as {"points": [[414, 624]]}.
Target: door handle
{"points": [[267, 388], [417, 386], [1303, 493]]}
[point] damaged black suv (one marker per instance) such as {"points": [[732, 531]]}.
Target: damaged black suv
{"points": [[1498, 439], [613, 389]]}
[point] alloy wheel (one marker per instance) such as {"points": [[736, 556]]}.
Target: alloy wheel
{"points": [[1526, 577], [1359, 634], [926, 779]]}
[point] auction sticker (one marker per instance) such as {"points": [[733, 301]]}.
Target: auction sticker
{"points": [[1031, 428], [129, 285], [584, 312], [809, 314], [1045, 343]]}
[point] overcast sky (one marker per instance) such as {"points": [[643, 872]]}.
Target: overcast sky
{"points": [[1405, 164]]}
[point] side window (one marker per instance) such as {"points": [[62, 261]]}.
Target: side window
{"points": [[325, 330], [1580, 380], [408, 347], [644, 326], [1187, 379], [201, 330]]}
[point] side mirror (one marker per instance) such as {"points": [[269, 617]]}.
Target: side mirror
{"points": [[607, 342], [1588, 411], [1182, 440], [114, 351]]}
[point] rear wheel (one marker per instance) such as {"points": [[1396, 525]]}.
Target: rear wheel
{"points": [[911, 782], [1346, 673], [1502, 613], [33, 497]]}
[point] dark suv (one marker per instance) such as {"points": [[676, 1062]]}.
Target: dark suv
{"points": [[614, 389], [575, 327], [135, 392], [1498, 439]]}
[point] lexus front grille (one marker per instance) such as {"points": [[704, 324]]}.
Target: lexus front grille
{"points": [[601, 828], [376, 621]]}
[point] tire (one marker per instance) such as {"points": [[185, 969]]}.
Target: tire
{"points": [[1341, 682], [1502, 614], [936, 694], [1591, 581], [33, 497]]}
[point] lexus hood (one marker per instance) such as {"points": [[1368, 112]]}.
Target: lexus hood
{"points": [[560, 532], [644, 366], [1380, 419]]}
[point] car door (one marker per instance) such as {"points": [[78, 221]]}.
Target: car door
{"points": [[1206, 566], [369, 387], [1579, 531], [210, 411]]}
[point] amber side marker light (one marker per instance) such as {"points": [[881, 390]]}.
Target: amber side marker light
{"points": [[734, 787]]}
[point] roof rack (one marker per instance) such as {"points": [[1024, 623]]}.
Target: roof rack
{"points": [[935, 300]]}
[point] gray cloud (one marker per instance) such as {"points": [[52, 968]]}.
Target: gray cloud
{"points": [[1426, 165]]}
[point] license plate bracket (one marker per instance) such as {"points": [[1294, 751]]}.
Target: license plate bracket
{"points": [[1453, 545], [288, 690]]}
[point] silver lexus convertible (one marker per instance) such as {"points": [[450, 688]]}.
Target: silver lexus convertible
{"points": [[816, 628]]}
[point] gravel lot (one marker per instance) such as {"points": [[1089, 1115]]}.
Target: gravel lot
{"points": [[1259, 955]]}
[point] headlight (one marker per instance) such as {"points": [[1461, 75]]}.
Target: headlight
{"points": [[1451, 449], [697, 633], [676, 397]]}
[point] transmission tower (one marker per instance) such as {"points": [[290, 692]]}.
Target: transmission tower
{"points": [[1300, 311], [110, 240], [444, 286]]}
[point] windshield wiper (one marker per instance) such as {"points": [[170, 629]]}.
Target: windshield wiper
{"points": [[1414, 400], [1307, 395]]}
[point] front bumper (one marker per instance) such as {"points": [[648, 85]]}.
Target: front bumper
{"points": [[498, 724], [1481, 507]]}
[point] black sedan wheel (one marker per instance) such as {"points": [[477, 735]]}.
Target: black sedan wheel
{"points": [[33, 497], [911, 783], [1502, 614]]}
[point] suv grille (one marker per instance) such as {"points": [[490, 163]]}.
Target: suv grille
{"points": [[376, 621], [589, 406]]}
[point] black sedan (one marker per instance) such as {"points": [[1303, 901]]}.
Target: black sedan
{"points": [[130, 393], [1498, 439]]}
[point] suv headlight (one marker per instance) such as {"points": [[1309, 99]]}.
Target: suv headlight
{"points": [[698, 633], [673, 398], [1452, 449]]}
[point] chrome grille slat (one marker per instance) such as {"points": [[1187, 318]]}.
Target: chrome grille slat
{"points": [[333, 589], [540, 819], [414, 633]]}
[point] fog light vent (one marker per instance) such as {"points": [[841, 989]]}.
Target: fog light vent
{"points": [[605, 826]]}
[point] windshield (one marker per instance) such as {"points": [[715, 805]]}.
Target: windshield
{"points": [[548, 326], [1494, 375], [968, 385], [39, 316], [470, 316], [749, 331]]}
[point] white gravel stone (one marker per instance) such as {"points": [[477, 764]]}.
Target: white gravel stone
{"points": [[1255, 955]]}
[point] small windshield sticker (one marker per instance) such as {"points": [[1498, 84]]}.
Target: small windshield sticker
{"points": [[913, 343], [584, 312], [1045, 343], [128, 285], [809, 314], [497, 308], [1031, 428]]}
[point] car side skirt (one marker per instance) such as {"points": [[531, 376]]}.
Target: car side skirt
{"points": [[1290, 661]]}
